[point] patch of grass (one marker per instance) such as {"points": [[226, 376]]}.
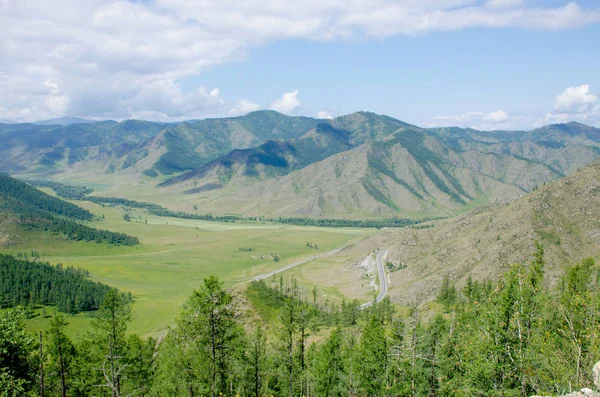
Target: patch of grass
{"points": [[176, 254]]}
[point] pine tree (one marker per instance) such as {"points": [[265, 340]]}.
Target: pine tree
{"points": [[374, 358], [61, 352], [110, 325]]}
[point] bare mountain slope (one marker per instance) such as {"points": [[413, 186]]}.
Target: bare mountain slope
{"points": [[563, 215], [410, 174]]}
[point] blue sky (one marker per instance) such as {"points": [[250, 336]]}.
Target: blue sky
{"points": [[482, 64]]}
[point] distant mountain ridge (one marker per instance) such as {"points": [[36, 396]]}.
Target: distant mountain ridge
{"points": [[266, 163], [65, 121]]}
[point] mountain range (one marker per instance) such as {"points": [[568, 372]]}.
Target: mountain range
{"points": [[361, 165]]}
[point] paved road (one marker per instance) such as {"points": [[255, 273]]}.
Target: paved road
{"points": [[291, 265], [383, 284]]}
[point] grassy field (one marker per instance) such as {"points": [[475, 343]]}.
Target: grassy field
{"points": [[175, 255]]}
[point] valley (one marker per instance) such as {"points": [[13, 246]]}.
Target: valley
{"points": [[176, 254], [269, 166]]}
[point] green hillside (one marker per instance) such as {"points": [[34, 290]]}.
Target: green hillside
{"points": [[30, 209]]}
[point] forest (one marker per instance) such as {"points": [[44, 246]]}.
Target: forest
{"points": [[35, 210], [28, 283], [509, 337]]}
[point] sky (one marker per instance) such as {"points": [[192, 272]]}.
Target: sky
{"points": [[485, 64]]}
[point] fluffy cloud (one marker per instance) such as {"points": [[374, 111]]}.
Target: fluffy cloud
{"points": [[287, 103], [575, 100], [242, 107], [573, 104], [324, 114], [108, 58]]}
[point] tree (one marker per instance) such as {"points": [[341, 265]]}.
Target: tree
{"points": [[447, 294], [374, 358], [110, 325], [209, 323], [287, 335], [257, 361], [16, 348], [61, 353], [330, 371]]}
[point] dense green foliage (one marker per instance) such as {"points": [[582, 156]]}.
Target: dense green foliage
{"points": [[36, 210], [23, 282], [20, 197], [73, 230], [17, 367], [69, 192], [511, 337]]}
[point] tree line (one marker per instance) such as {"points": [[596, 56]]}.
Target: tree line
{"points": [[27, 283], [38, 211], [73, 230], [20, 196], [69, 192], [82, 193], [511, 337]]}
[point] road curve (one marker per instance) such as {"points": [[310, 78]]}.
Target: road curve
{"points": [[298, 263], [383, 284]]}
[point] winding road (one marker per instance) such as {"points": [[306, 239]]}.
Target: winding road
{"points": [[383, 284]]}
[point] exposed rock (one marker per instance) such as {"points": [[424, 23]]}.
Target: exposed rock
{"points": [[596, 374]]}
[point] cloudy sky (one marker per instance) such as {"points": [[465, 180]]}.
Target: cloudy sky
{"points": [[478, 63]]}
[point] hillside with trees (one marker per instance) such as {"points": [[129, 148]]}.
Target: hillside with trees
{"points": [[33, 209], [510, 337], [28, 283]]}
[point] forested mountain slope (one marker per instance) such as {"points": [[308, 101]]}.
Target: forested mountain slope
{"points": [[23, 208]]}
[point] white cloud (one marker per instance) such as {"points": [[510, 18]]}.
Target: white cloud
{"points": [[243, 107], [504, 3], [476, 120], [573, 104], [575, 100], [102, 54], [287, 103], [496, 117], [324, 114]]}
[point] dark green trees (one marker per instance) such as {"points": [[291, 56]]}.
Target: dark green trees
{"points": [[204, 346], [60, 353], [110, 325], [17, 368]]}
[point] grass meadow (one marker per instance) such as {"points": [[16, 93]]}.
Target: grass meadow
{"points": [[174, 256]]}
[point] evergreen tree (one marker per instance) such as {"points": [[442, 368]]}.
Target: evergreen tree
{"points": [[374, 358], [330, 366], [110, 325], [209, 323], [61, 352], [17, 366]]}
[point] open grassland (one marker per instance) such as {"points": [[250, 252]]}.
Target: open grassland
{"points": [[176, 254]]}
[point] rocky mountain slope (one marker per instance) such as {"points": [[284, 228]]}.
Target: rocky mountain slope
{"points": [[563, 215], [398, 169], [268, 164]]}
